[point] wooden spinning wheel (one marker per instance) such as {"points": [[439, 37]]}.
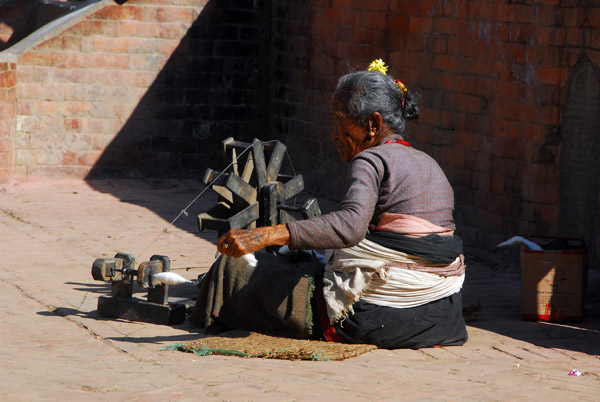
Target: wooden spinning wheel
{"points": [[255, 195]]}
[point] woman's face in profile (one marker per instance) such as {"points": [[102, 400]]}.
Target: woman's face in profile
{"points": [[348, 136]]}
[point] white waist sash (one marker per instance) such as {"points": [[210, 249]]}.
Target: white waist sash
{"points": [[360, 272]]}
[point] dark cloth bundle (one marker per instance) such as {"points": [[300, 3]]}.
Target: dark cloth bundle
{"points": [[273, 297]]}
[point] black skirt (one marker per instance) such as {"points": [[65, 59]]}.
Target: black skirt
{"points": [[436, 323]]}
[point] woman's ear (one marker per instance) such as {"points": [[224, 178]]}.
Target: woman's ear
{"points": [[375, 123]]}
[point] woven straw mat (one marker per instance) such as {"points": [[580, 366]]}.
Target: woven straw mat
{"points": [[252, 344]]}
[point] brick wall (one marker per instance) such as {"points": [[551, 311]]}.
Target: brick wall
{"points": [[8, 80], [141, 88], [491, 77], [207, 80]]}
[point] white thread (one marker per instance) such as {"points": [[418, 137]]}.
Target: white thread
{"points": [[184, 211]]}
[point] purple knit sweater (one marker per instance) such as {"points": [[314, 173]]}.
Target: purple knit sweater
{"points": [[386, 178]]}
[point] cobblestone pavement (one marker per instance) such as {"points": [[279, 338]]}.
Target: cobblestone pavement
{"points": [[55, 346]]}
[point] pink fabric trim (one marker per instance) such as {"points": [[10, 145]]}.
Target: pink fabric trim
{"points": [[408, 224]]}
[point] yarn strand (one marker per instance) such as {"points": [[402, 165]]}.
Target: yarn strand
{"points": [[184, 211]]}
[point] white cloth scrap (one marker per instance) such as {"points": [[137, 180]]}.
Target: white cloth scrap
{"points": [[250, 260], [519, 239]]}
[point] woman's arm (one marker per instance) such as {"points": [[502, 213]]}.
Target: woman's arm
{"points": [[343, 228], [236, 243], [348, 225]]}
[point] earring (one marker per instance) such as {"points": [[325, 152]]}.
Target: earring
{"points": [[371, 131]]}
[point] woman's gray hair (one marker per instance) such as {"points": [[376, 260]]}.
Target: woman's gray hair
{"points": [[358, 95]]}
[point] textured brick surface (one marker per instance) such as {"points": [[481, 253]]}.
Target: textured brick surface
{"points": [[8, 112], [150, 87], [148, 81]]}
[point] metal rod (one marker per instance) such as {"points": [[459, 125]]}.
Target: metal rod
{"points": [[127, 271]]}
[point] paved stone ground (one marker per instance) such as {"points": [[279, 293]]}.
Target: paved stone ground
{"points": [[55, 346]]}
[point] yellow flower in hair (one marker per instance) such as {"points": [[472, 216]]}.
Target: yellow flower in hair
{"points": [[378, 65]]}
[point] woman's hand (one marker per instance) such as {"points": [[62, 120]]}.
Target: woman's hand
{"points": [[236, 242]]}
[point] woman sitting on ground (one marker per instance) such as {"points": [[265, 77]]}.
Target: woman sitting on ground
{"points": [[395, 268]]}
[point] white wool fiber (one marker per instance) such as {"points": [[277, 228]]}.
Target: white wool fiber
{"points": [[170, 278]]}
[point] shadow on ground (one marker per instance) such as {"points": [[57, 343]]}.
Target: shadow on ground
{"points": [[176, 201], [499, 293]]}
